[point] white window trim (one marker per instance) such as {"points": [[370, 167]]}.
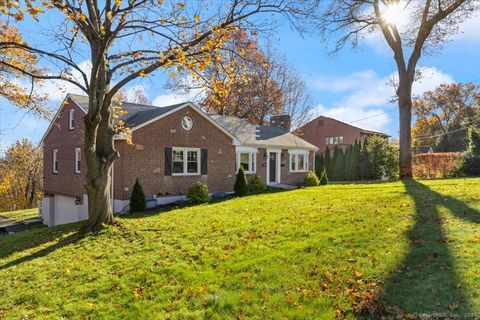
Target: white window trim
{"points": [[295, 154], [185, 161], [252, 159], [55, 160], [71, 126], [78, 157]]}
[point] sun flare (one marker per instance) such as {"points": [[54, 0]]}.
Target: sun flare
{"points": [[395, 14]]}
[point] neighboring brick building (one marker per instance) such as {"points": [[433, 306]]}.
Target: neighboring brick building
{"points": [[324, 131], [174, 147]]}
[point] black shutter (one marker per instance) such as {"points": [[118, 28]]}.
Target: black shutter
{"points": [[204, 167], [168, 161]]}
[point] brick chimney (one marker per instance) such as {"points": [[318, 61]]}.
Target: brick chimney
{"points": [[281, 120]]}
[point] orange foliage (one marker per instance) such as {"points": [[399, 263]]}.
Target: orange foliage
{"points": [[435, 165]]}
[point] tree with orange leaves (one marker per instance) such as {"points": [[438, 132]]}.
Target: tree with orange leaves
{"points": [[249, 83], [16, 92], [125, 41], [444, 115]]}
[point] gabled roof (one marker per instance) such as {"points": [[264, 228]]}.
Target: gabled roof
{"points": [[138, 115], [365, 131], [261, 136]]}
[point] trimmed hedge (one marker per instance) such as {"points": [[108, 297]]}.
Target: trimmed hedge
{"points": [[311, 180], [198, 193], [256, 185], [436, 165]]}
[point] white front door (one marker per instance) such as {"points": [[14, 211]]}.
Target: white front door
{"points": [[273, 167]]}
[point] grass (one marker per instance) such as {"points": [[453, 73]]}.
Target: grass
{"points": [[349, 251], [20, 215]]}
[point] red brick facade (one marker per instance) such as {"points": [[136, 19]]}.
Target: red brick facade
{"points": [[316, 130], [60, 137], [145, 159]]}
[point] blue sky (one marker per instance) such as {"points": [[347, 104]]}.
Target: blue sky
{"points": [[350, 86]]}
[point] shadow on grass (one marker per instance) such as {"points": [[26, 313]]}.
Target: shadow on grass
{"points": [[22, 241], [185, 204], [426, 282]]}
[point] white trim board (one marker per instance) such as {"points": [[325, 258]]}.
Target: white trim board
{"points": [[63, 105]]}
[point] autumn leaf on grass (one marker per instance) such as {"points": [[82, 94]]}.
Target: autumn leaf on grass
{"points": [[138, 291], [453, 306]]}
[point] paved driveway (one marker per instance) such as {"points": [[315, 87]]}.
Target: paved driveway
{"points": [[9, 225]]}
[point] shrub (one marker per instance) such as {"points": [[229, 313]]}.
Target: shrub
{"points": [[311, 180], [364, 166], [137, 199], [471, 157], [339, 166], [256, 185], [324, 178], [241, 185], [436, 165], [319, 164], [198, 193]]}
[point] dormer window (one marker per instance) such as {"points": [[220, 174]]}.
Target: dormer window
{"points": [[71, 120]]}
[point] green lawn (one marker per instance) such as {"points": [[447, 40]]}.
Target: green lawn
{"points": [[20, 215], [317, 253]]}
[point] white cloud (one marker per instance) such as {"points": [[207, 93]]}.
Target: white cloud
{"points": [[170, 98], [352, 81], [164, 100], [364, 94], [470, 30], [57, 89], [377, 119]]}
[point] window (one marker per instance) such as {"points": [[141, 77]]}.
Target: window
{"points": [[334, 140], [299, 161], [185, 161], [71, 120], [55, 161], [247, 160], [78, 160]]}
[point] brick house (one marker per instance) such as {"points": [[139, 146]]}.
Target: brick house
{"points": [[325, 131], [173, 147]]}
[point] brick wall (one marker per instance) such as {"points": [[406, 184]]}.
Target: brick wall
{"points": [[145, 159], [286, 177], [60, 137], [316, 130]]}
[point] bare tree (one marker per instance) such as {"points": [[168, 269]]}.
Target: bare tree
{"points": [[254, 84], [430, 24], [126, 40]]}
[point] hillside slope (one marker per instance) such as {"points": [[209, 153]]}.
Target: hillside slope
{"points": [[310, 253]]}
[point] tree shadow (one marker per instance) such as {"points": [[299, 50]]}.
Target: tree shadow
{"points": [[22, 241], [185, 204], [426, 281]]}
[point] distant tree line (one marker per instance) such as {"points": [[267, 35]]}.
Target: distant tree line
{"points": [[374, 159], [21, 173]]}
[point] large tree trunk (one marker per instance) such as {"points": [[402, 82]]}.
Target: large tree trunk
{"points": [[99, 146], [405, 111]]}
